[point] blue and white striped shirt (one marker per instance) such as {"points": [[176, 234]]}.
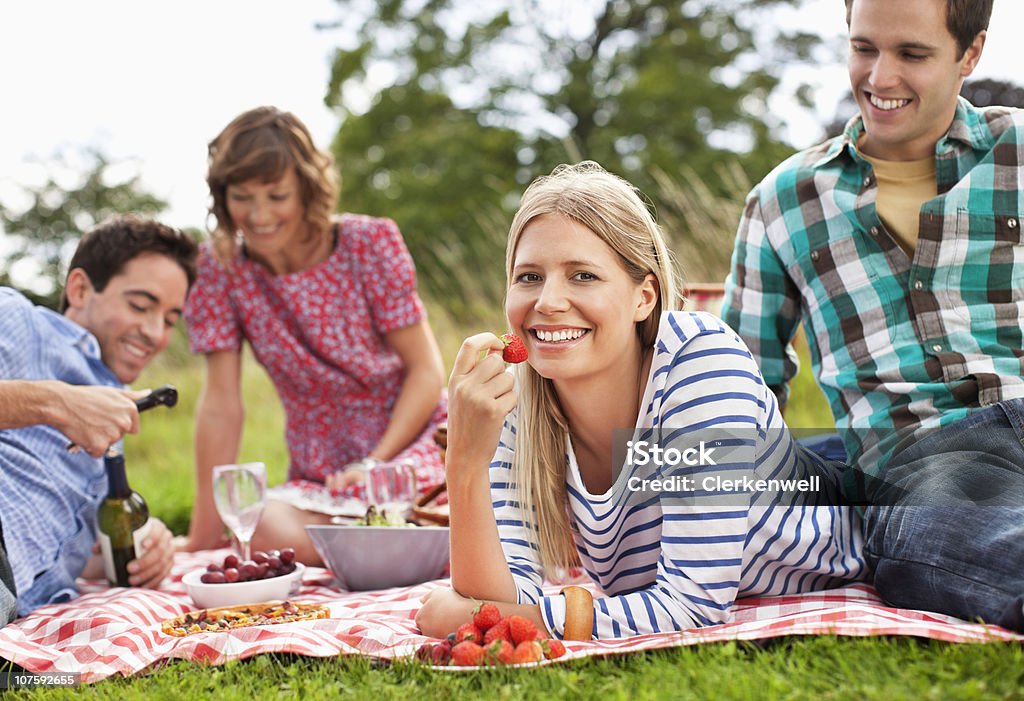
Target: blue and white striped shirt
{"points": [[48, 496], [680, 560]]}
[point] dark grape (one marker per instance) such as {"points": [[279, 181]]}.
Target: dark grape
{"points": [[263, 565], [441, 654]]}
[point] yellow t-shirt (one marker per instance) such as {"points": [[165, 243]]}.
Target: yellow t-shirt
{"points": [[903, 187]]}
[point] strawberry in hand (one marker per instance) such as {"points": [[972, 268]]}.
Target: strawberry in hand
{"points": [[515, 349]]}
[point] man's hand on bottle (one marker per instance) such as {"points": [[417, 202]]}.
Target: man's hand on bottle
{"points": [[94, 418], [155, 564]]}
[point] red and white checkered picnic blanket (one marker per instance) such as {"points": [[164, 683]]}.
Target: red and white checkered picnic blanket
{"points": [[117, 631]]}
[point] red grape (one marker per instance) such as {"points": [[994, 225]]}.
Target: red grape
{"points": [[441, 653], [263, 565]]}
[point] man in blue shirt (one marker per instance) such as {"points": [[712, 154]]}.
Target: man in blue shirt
{"points": [[898, 246], [62, 379]]}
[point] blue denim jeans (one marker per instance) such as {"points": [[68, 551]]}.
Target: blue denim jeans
{"points": [[945, 532]]}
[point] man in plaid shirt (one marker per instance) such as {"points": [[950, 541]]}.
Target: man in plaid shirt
{"points": [[898, 246]]}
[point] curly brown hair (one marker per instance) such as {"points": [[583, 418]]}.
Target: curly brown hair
{"points": [[264, 143]]}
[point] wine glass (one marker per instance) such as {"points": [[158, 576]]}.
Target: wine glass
{"points": [[391, 488], [240, 492]]}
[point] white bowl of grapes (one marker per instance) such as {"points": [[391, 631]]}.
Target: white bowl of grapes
{"points": [[268, 576]]}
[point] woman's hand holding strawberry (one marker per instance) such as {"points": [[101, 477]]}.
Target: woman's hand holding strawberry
{"points": [[481, 393]]}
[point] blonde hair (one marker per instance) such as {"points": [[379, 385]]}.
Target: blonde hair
{"points": [[616, 212], [264, 143]]}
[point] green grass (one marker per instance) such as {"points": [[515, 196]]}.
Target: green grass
{"points": [[819, 668], [807, 408], [161, 454]]}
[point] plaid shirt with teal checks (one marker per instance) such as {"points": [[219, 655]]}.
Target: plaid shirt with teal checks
{"points": [[899, 344]]}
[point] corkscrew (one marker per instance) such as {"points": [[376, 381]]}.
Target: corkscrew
{"points": [[165, 395]]}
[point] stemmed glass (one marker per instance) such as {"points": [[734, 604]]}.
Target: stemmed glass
{"points": [[240, 492], [391, 488]]}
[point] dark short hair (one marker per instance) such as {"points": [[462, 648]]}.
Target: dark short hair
{"points": [[107, 247], [965, 19]]}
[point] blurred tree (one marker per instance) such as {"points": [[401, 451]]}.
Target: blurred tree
{"points": [[429, 166], [987, 92], [42, 235], [450, 106]]}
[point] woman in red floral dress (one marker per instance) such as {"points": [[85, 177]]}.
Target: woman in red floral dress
{"points": [[330, 309]]}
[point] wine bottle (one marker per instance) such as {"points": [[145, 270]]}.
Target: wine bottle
{"points": [[123, 521]]}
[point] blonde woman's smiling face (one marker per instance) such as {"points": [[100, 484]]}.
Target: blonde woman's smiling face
{"points": [[572, 301]]}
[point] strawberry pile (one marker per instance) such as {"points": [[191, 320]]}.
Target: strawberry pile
{"points": [[492, 640]]}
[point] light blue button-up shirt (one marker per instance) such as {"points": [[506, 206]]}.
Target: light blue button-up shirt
{"points": [[48, 496]]}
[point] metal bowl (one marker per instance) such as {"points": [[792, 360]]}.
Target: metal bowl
{"points": [[381, 557]]}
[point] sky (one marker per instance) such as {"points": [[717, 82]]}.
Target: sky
{"points": [[149, 84]]}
